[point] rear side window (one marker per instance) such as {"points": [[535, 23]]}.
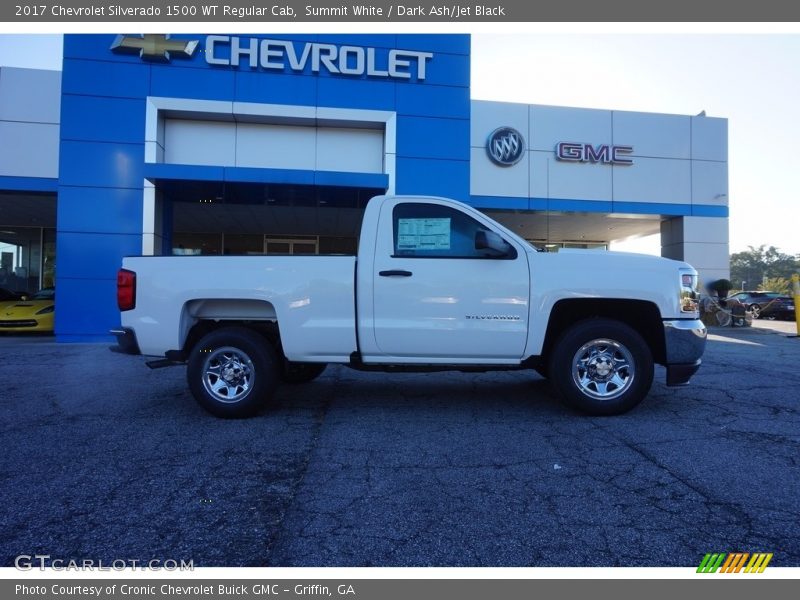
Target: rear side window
{"points": [[435, 231]]}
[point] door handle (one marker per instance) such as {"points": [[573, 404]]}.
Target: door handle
{"points": [[395, 273]]}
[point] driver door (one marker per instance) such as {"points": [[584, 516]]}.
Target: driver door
{"points": [[438, 297]]}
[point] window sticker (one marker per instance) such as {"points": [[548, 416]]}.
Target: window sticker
{"points": [[423, 234]]}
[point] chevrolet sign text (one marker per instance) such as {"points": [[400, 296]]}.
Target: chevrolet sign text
{"points": [[223, 50]]}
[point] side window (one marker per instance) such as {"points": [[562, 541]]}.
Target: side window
{"points": [[436, 231]]}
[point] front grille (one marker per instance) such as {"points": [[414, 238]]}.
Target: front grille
{"points": [[27, 323]]}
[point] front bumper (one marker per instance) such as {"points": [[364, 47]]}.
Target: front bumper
{"points": [[126, 341], [685, 342], [18, 325], [32, 324]]}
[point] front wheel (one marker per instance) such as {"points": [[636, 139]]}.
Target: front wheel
{"points": [[232, 372], [601, 367]]}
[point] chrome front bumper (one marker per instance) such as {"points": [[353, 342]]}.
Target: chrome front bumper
{"points": [[685, 342]]}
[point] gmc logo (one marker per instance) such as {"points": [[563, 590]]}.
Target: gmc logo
{"points": [[609, 155]]}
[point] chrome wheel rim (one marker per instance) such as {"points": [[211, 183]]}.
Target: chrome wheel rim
{"points": [[756, 310], [603, 369], [228, 374]]}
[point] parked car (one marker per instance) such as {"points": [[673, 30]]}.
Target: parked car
{"points": [[767, 305], [34, 314]]}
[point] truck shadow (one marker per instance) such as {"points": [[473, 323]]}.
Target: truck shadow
{"points": [[353, 390]]}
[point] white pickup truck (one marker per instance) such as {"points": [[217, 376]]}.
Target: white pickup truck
{"points": [[436, 285]]}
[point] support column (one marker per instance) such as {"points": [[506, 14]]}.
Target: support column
{"points": [[700, 241], [153, 221]]}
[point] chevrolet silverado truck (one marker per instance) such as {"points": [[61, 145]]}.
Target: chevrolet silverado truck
{"points": [[436, 285]]}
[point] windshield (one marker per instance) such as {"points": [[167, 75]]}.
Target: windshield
{"points": [[45, 294]]}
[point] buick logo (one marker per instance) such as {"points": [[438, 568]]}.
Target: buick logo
{"points": [[505, 146]]}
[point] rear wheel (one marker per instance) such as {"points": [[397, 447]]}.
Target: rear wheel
{"points": [[755, 310], [232, 372], [601, 367]]}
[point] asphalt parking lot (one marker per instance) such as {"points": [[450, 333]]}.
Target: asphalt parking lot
{"points": [[104, 459]]}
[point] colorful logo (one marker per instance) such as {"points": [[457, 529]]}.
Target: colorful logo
{"points": [[154, 47], [735, 562]]}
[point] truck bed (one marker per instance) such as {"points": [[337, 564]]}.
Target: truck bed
{"points": [[305, 293]]}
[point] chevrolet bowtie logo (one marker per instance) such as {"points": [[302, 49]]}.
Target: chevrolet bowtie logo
{"points": [[151, 46]]}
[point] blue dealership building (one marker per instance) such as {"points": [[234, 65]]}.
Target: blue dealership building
{"points": [[262, 144]]}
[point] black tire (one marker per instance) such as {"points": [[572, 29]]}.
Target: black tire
{"points": [[248, 361], [296, 372], [601, 367]]}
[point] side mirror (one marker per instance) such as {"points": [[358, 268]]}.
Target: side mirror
{"points": [[495, 246]]}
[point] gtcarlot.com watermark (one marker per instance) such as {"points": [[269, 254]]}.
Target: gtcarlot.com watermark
{"points": [[28, 562]]}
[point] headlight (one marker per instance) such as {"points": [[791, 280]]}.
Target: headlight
{"points": [[688, 296], [47, 310]]}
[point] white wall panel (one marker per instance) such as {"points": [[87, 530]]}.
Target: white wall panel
{"points": [[653, 135], [489, 179], [28, 149], [705, 229], [578, 181], [262, 145], [552, 124], [349, 150], [275, 146], [709, 138], [653, 180], [709, 182], [539, 169], [704, 255], [30, 95], [199, 142]]}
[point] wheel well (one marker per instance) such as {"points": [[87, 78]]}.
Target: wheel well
{"points": [[204, 315], [642, 316], [268, 329]]}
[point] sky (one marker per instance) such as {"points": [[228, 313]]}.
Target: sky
{"points": [[753, 80]]}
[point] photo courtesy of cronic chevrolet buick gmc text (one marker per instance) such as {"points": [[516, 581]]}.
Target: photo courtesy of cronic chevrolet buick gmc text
{"points": [[436, 285]]}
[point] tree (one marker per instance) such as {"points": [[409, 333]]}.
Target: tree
{"points": [[753, 265], [776, 284]]}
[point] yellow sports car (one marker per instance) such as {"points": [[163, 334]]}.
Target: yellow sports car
{"points": [[34, 314]]}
